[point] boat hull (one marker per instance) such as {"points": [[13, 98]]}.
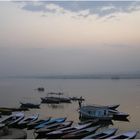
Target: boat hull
{"points": [[42, 132], [61, 132], [34, 124]]}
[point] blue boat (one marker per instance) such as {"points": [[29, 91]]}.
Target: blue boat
{"points": [[51, 121], [36, 123]]}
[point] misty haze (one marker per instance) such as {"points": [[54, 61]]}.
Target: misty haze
{"points": [[71, 61]]}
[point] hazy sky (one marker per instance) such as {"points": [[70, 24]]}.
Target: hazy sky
{"points": [[69, 37]]}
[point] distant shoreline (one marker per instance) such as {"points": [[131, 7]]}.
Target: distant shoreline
{"points": [[102, 76]]}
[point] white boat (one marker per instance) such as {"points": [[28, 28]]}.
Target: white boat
{"points": [[23, 123], [101, 113], [13, 119], [102, 135], [125, 135]]}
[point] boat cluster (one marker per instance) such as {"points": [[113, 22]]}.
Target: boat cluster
{"points": [[51, 98], [57, 97], [58, 128]]}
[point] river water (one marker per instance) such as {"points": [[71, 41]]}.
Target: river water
{"points": [[95, 91]]}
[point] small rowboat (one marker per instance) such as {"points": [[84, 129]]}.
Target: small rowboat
{"points": [[51, 121], [37, 122], [23, 123], [50, 100], [125, 135], [102, 135], [56, 126], [81, 133], [13, 119], [59, 133], [29, 105]]}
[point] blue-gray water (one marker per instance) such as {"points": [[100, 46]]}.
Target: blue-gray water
{"points": [[95, 91]]}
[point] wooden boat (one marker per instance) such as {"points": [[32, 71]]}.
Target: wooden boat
{"points": [[33, 124], [29, 105], [41, 89], [13, 119], [5, 111], [77, 98], [59, 133], [125, 135], [64, 100], [10, 109], [102, 135], [81, 133], [118, 115], [58, 98], [23, 123], [112, 107], [50, 100], [51, 121], [56, 126], [15, 122], [100, 113]]}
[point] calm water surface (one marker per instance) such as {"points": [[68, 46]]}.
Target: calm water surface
{"points": [[104, 92]]}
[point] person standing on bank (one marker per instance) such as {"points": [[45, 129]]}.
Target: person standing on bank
{"points": [[80, 102]]}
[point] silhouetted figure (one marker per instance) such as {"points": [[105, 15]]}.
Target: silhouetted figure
{"points": [[80, 103]]}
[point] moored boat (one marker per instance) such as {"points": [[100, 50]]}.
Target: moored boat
{"points": [[100, 113], [125, 135], [56, 126], [13, 119], [102, 135], [118, 115], [56, 98], [29, 105], [59, 133], [77, 98], [31, 125], [23, 123], [41, 89], [50, 100], [81, 133], [20, 117], [51, 121], [112, 107]]}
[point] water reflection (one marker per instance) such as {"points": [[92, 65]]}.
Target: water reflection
{"points": [[55, 106]]}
